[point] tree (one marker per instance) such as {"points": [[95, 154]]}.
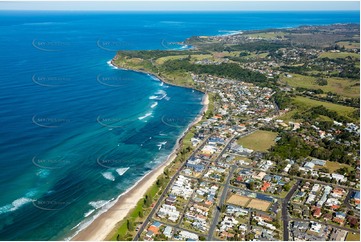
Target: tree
{"points": [[324, 170], [148, 200], [251, 185], [130, 225], [294, 170], [321, 82], [287, 187]]}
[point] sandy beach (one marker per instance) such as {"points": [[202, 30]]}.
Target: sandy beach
{"points": [[105, 224], [102, 226]]}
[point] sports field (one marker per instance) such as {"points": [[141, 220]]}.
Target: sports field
{"points": [[260, 140]]}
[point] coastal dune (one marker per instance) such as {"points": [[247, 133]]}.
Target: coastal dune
{"points": [[105, 224]]}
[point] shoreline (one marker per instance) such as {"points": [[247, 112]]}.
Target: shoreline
{"points": [[103, 225], [111, 63]]}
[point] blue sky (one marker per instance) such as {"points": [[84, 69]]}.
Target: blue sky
{"points": [[184, 5]]}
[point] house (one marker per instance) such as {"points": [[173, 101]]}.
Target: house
{"points": [[356, 197], [259, 176], [188, 235], [315, 188], [339, 217], [171, 199], [338, 192], [287, 168], [309, 165], [310, 199], [327, 216], [154, 229], [237, 211], [338, 177], [149, 235], [265, 186], [315, 227], [317, 212], [318, 162], [168, 231], [326, 192], [169, 211]]}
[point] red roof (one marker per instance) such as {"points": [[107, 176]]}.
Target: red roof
{"points": [[153, 229], [265, 186], [317, 212]]}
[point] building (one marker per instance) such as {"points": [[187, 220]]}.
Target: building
{"points": [[338, 235], [168, 232]]}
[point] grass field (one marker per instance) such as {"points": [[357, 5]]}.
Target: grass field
{"points": [[260, 140], [352, 237], [259, 204], [349, 44], [304, 103], [336, 55], [238, 200], [333, 166], [267, 35], [161, 60], [341, 86]]}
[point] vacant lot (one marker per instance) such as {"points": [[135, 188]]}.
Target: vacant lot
{"points": [[333, 166], [267, 35], [349, 44], [305, 103], [259, 204], [259, 140], [336, 55], [341, 86], [352, 237], [238, 200]]}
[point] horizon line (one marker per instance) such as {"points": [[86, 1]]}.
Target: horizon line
{"points": [[167, 10]]}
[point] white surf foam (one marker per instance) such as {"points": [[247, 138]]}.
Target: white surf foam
{"points": [[154, 105], [16, 204], [108, 175], [99, 204], [161, 144], [43, 173], [88, 213], [145, 116], [111, 65], [121, 171]]}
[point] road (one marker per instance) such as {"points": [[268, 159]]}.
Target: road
{"points": [[297, 177], [155, 208], [332, 225], [221, 202], [285, 217]]}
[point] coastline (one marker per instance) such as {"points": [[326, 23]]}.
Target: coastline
{"points": [[102, 226], [111, 63]]}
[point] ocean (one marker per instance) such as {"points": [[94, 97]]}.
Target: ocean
{"points": [[75, 132]]}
